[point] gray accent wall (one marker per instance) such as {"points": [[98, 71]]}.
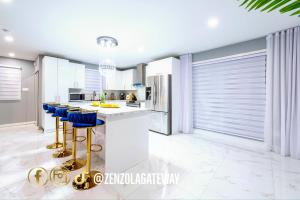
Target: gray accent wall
{"points": [[23, 110], [238, 48]]}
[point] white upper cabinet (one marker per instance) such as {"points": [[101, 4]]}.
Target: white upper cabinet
{"points": [[78, 75], [129, 75], [50, 79], [58, 75], [119, 80], [164, 66], [63, 80], [109, 82]]}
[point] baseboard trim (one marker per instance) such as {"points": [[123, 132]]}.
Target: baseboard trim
{"points": [[17, 124]]}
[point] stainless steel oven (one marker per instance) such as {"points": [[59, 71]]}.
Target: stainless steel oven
{"points": [[76, 97]]}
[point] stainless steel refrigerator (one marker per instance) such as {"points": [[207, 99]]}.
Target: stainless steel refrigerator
{"points": [[158, 99]]}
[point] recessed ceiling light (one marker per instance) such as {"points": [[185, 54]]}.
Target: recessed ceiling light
{"points": [[9, 38], [213, 22], [6, 1], [11, 54], [141, 49]]}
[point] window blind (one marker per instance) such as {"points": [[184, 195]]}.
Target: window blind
{"points": [[10, 83], [92, 81], [229, 95]]}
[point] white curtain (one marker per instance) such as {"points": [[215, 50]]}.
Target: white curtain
{"points": [[186, 116], [282, 123]]}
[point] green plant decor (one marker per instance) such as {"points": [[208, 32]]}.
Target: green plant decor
{"points": [[284, 6], [102, 98]]}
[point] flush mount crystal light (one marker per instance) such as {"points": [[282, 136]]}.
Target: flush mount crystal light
{"points": [[107, 42], [106, 45]]}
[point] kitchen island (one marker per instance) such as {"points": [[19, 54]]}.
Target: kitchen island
{"points": [[124, 137]]}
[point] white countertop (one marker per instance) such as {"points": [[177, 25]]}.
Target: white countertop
{"points": [[110, 111]]}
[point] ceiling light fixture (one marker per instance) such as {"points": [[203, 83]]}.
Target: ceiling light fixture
{"points": [[141, 49], [9, 38], [6, 1], [107, 42], [106, 45], [11, 54], [213, 22]]}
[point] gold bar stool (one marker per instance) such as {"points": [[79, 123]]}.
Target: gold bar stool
{"points": [[51, 108], [74, 163], [62, 112], [85, 180]]}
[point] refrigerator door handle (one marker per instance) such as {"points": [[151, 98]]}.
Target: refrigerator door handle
{"points": [[154, 94]]}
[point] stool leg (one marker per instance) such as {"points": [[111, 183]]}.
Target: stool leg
{"points": [[57, 144], [74, 163], [74, 143], [64, 152], [85, 180], [88, 150]]}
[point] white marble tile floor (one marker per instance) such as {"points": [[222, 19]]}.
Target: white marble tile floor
{"points": [[207, 168]]}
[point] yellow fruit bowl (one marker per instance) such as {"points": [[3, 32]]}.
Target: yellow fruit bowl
{"points": [[109, 105], [95, 103], [105, 105]]}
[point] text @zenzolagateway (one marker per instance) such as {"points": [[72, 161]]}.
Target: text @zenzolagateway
{"points": [[139, 178]]}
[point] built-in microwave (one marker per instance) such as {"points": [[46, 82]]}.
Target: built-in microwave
{"points": [[76, 97]]}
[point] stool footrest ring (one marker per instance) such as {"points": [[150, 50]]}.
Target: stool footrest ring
{"points": [[97, 149], [70, 132], [83, 138]]}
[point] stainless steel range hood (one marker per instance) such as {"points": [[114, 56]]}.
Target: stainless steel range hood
{"points": [[140, 79]]}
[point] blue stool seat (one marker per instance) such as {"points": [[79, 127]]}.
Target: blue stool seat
{"points": [[85, 125], [64, 119], [54, 115], [51, 109], [84, 120], [99, 122], [45, 106], [63, 113]]}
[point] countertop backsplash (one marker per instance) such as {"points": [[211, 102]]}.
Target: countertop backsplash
{"points": [[139, 93]]}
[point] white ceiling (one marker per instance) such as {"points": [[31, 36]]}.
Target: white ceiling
{"points": [[69, 28]]}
